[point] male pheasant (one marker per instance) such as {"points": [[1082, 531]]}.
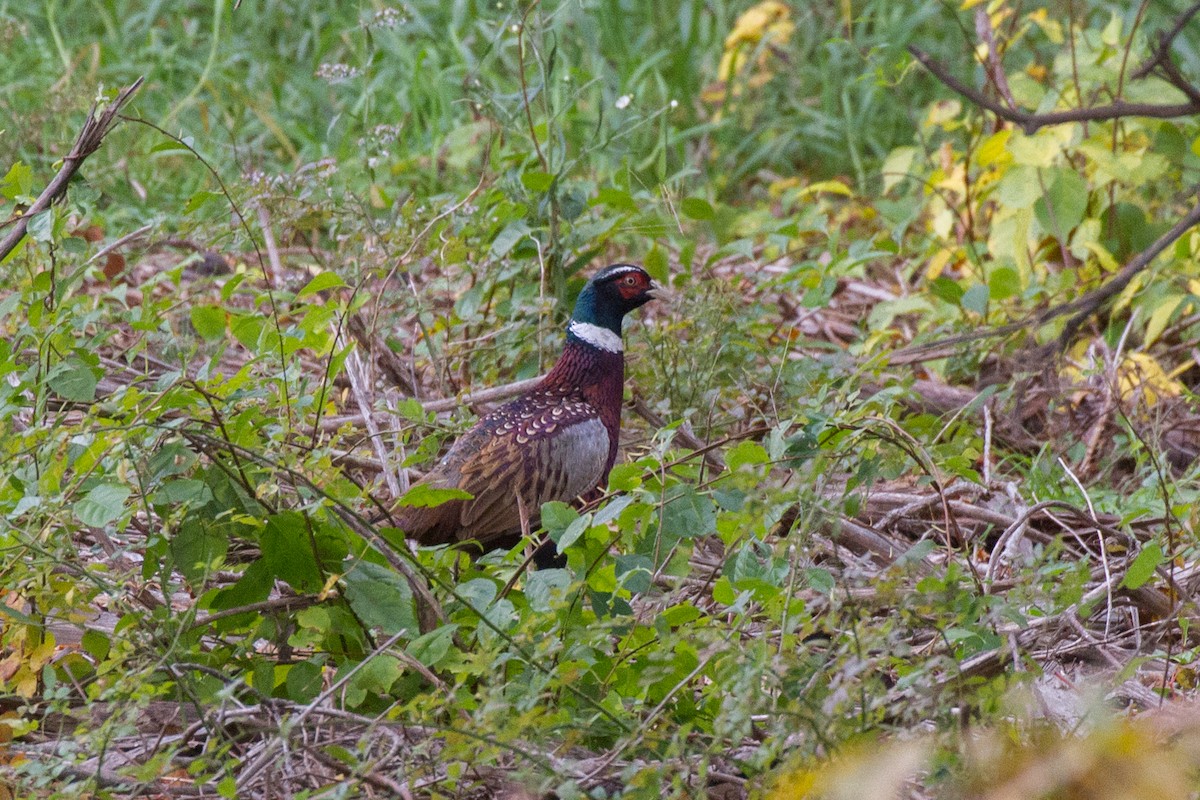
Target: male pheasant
{"points": [[556, 442]]}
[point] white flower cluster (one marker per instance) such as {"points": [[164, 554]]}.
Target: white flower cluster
{"points": [[337, 73]]}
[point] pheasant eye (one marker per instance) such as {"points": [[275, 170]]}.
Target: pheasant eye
{"points": [[630, 280]]}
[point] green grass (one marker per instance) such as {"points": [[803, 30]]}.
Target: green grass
{"points": [[451, 172]]}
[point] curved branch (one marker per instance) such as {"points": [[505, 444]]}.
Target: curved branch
{"points": [[95, 128], [1031, 122], [1165, 39], [1082, 307]]}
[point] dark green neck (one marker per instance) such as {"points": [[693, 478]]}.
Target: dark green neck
{"points": [[588, 310]]}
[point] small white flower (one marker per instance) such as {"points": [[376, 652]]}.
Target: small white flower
{"points": [[515, 28], [623, 101], [674, 104]]}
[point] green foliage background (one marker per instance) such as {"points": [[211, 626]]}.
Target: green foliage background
{"points": [[452, 172]]}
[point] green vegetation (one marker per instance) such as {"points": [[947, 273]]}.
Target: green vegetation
{"points": [[839, 556]]}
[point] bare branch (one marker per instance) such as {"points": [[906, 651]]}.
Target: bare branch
{"points": [[95, 128], [995, 70], [1082, 307], [1160, 55], [1031, 122]]}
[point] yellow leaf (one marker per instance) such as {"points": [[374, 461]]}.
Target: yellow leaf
{"points": [[936, 264], [993, 150], [832, 187], [757, 21], [1160, 317], [1140, 372], [770, 22]]}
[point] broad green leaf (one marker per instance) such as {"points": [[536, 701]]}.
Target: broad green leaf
{"points": [[321, 282], [688, 514], [425, 496], [508, 237], [544, 586], [103, 504], [209, 321], [432, 647], [1143, 566], [196, 546], [41, 226], [572, 533], [746, 452], [381, 598], [1062, 207], [73, 380], [697, 208], [655, 263], [976, 298], [1003, 283], [185, 490], [288, 551], [303, 682], [199, 200], [536, 181], [897, 166], [17, 182], [618, 199]]}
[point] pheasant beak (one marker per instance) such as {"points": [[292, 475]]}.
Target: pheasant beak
{"points": [[659, 292]]}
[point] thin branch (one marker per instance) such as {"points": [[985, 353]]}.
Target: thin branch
{"points": [[95, 128], [1165, 39], [1031, 122], [1082, 307], [992, 65]]}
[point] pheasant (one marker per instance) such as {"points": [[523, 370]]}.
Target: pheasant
{"points": [[555, 442]]}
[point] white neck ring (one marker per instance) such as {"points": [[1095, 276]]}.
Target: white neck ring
{"points": [[599, 337]]}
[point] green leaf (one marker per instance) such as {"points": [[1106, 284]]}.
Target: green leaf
{"points": [[946, 289], [41, 226], [199, 200], [507, 239], [976, 298], [1142, 568], [381, 598], [544, 586], [1003, 283], [18, 181], [688, 514], [431, 648], [1160, 317], [209, 321], [1061, 209], [303, 682], [288, 551], [425, 496], [320, 283], [73, 380], [572, 533], [746, 452], [196, 546], [656, 264], [103, 504], [697, 208], [536, 181], [556, 516], [618, 199]]}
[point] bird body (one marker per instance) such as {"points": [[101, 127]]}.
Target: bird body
{"points": [[556, 442]]}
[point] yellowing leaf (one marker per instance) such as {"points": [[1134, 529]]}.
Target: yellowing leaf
{"points": [[832, 187], [769, 17], [1160, 317], [993, 151], [897, 166], [1141, 373], [768, 22]]}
